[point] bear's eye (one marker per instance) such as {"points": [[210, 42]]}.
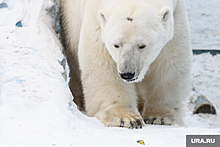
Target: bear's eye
{"points": [[142, 46], [116, 46]]}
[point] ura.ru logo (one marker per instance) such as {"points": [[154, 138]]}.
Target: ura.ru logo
{"points": [[201, 140]]}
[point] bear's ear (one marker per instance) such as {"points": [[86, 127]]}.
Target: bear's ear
{"points": [[103, 17], [165, 13]]}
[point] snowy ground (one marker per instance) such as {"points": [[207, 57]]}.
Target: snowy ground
{"points": [[36, 108], [204, 18]]}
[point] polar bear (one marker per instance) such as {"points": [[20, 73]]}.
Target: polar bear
{"points": [[130, 60]]}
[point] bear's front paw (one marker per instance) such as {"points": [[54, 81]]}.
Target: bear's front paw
{"points": [[158, 120], [120, 117]]}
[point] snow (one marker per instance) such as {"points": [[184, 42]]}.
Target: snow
{"points": [[204, 18], [206, 81], [36, 106]]}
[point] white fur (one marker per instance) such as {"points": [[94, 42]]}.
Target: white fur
{"points": [[162, 68]]}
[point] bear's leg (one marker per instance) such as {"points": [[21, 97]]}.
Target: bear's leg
{"points": [[75, 83], [154, 105], [168, 81], [162, 100], [107, 96], [70, 32], [75, 86]]}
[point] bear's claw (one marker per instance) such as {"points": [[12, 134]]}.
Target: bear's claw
{"points": [[140, 123], [131, 125], [122, 124], [146, 120], [136, 124], [162, 122]]}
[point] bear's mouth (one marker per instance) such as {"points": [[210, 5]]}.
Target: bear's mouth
{"points": [[131, 80]]}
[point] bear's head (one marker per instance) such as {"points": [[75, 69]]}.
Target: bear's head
{"points": [[134, 34]]}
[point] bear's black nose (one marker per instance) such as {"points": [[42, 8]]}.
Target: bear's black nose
{"points": [[127, 76]]}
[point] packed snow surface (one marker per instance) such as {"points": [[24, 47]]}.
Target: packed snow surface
{"points": [[36, 108], [204, 19]]}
